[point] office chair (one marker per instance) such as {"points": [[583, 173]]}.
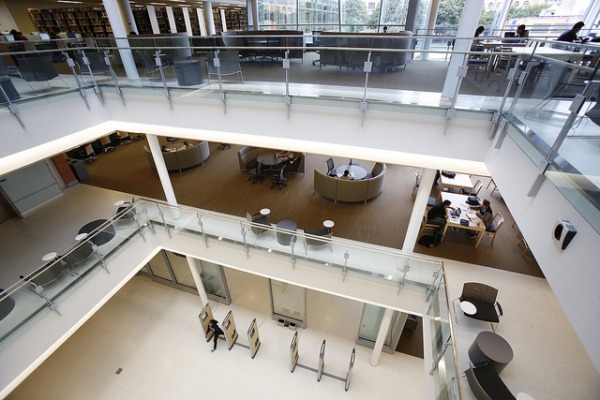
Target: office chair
{"points": [[257, 175], [353, 163], [330, 167], [476, 188], [481, 302], [107, 144], [278, 178]]}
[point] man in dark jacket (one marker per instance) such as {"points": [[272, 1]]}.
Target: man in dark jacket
{"points": [[212, 326]]}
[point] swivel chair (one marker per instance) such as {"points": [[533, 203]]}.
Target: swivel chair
{"points": [[278, 178], [257, 175], [330, 166]]}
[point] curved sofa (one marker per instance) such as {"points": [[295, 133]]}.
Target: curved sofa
{"points": [[182, 159], [383, 60], [350, 191]]}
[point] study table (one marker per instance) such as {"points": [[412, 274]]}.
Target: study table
{"points": [[356, 172], [274, 158], [459, 201], [460, 181]]}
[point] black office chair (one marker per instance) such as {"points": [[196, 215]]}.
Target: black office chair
{"points": [[330, 167], [257, 175], [353, 163], [278, 178]]}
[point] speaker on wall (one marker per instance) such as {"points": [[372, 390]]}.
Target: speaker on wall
{"points": [[563, 233]]}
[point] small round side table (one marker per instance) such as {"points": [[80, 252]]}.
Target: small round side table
{"points": [[265, 211], [50, 256], [328, 224]]}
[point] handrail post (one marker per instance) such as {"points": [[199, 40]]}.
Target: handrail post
{"points": [[150, 226], [367, 67], [244, 239], [86, 62], [202, 228], [162, 217], [287, 99], [158, 62], [97, 252], [71, 65], [12, 107], [345, 270]]}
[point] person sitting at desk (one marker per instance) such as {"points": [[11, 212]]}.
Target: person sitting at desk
{"points": [[18, 35], [487, 216], [437, 214], [186, 145], [522, 31], [346, 175], [571, 34]]}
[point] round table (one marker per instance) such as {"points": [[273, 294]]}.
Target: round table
{"points": [[50, 256], [490, 347], [284, 238], [468, 308], [102, 237], [81, 236], [356, 172], [271, 159]]}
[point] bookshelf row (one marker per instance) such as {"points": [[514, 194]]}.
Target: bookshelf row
{"points": [[93, 21]]}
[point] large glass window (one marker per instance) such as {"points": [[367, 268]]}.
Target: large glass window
{"points": [[277, 14], [318, 15]]}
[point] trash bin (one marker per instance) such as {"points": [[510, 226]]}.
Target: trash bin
{"points": [[79, 169], [188, 72]]}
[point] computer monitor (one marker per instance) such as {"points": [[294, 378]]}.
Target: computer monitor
{"points": [[509, 34], [44, 36], [9, 38]]}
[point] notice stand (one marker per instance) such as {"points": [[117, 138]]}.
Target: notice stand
{"points": [[205, 316], [253, 338], [231, 334]]}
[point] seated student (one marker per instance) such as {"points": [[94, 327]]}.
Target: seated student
{"points": [[437, 214], [346, 175], [522, 31], [164, 148], [487, 216], [186, 145], [571, 34]]}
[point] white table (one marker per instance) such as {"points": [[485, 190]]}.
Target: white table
{"points": [[468, 308], [459, 201], [460, 181], [356, 172]]}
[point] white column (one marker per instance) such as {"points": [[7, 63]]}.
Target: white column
{"points": [[209, 18], [201, 22], [171, 18], [466, 29], [411, 16], [252, 10], [499, 23], [188, 22], [127, 16], [118, 26], [153, 20], [416, 217], [196, 270], [223, 20], [433, 10], [381, 335], [161, 168]]}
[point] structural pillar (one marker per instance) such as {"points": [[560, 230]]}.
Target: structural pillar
{"points": [[161, 168], [416, 217], [117, 22], [127, 16], [171, 19], [433, 11], [411, 16], [381, 335], [209, 19], [153, 20], [252, 10], [466, 29], [196, 270]]}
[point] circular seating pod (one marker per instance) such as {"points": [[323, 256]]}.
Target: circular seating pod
{"points": [[350, 191], [182, 159]]}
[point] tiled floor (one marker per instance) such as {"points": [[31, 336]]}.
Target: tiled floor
{"points": [[153, 334]]}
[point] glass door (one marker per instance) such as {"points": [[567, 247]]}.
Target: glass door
{"points": [[288, 303], [369, 328], [172, 269]]}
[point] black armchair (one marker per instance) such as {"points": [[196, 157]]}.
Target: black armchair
{"points": [[256, 221], [478, 301], [486, 384]]}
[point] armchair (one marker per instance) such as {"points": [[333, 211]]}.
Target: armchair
{"points": [[256, 221], [478, 301], [486, 384], [229, 64], [318, 237]]}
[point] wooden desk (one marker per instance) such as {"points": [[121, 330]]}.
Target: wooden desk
{"points": [[460, 181], [459, 201]]}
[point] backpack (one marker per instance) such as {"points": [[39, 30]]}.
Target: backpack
{"points": [[431, 237]]}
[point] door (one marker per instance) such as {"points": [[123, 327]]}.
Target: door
{"points": [[288, 303], [369, 328]]}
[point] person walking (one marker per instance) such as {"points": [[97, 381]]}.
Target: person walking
{"points": [[214, 327]]}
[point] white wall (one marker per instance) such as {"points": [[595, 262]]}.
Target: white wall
{"points": [[6, 20], [573, 273], [407, 138]]}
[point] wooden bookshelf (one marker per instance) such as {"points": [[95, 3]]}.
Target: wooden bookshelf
{"points": [[88, 21], [142, 20]]}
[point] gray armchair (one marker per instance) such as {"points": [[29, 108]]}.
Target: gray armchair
{"points": [[230, 64], [37, 69], [318, 238]]}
